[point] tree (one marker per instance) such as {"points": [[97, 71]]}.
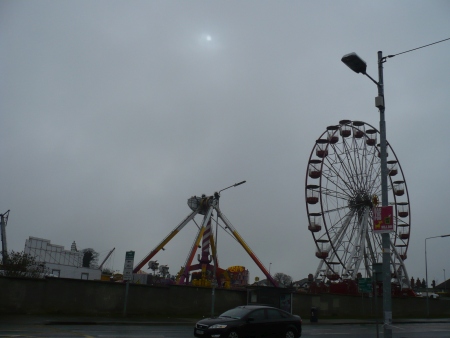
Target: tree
{"points": [[424, 285], [412, 282], [153, 265], [108, 272], [282, 278], [90, 258], [20, 264], [418, 283]]}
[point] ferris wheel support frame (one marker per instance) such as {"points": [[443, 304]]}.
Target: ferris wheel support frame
{"points": [[358, 250], [399, 262], [333, 244]]}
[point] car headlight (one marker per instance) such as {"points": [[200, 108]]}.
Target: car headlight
{"points": [[218, 326]]}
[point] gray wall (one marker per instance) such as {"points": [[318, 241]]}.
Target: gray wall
{"points": [[341, 306], [69, 296]]}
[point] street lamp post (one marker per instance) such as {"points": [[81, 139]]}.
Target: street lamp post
{"points": [[426, 270], [214, 283], [358, 65], [445, 285]]}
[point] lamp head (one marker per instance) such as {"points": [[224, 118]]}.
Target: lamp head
{"points": [[355, 63]]}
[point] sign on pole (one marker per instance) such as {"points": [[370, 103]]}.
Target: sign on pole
{"points": [[365, 285], [383, 220], [128, 266]]}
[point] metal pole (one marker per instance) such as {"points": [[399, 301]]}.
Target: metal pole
{"points": [[445, 284], [387, 301], [213, 295], [127, 285], [426, 278], [375, 295]]}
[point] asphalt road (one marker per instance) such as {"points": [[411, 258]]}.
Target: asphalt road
{"points": [[410, 330]]}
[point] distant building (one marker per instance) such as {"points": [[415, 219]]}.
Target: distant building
{"points": [[238, 275], [302, 283], [263, 282], [59, 262]]}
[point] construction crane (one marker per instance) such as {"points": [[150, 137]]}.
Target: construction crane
{"points": [[106, 258], [4, 221]]}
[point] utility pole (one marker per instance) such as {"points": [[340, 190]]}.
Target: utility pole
{"points": [[358, 65], [385, 237]]}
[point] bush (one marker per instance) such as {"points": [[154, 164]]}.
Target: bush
{"points": [[20, 264]]}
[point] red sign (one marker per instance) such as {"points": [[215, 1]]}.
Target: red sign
{"points": [[383, 220]]}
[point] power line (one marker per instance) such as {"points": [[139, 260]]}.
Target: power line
{"points": [[391, 56]]}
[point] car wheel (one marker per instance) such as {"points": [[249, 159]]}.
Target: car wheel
{"points": [[233, 334], [290, 334]]}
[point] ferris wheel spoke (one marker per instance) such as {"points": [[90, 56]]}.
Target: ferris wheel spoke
{"points": [[344, 172], [371, 253], [371, 162], [374, 183], [336, 209], [343, 184], [356, 160], [400, 271], [346, 167], [328, 192], [372, 176], [359, 244], [339, 230], [336, 188]]}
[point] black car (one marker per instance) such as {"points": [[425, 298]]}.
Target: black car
{"points": [[250, 321]]}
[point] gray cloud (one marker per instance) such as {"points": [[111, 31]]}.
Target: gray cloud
{"points": [[114, 113]]}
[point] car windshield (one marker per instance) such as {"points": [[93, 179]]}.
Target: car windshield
{"points": [[236, 313]]}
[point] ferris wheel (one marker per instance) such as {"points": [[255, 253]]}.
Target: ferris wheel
{"points": [[342, 185]]}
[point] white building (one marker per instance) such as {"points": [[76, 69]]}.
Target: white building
{"points": [[59, 262]]}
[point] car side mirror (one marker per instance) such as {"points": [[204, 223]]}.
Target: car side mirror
{"points": [[250, 319]]}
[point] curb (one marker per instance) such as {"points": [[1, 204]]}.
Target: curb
{"points": [[120, 323]]}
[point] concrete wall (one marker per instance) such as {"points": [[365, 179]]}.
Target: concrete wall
{"points": [[69, 296], [340, 306]]}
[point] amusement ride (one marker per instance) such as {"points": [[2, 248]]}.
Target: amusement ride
{"points": [[206, 272], [342, 186]]}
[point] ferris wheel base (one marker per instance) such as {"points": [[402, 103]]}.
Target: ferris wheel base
{"points": [[350, 287]]}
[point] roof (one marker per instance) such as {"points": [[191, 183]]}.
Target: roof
{"points": [[444, 285]]}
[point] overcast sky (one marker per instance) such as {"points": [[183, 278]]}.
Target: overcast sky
{"points": [[114, 113]]}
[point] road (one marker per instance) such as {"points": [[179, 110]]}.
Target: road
{"points": [[434, 330]]}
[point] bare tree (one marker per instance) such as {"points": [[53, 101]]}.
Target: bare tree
{"points": [[20, 264], [282, 278]]}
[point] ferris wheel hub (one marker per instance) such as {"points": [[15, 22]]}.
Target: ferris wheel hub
{"points": [[360, 201]]}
